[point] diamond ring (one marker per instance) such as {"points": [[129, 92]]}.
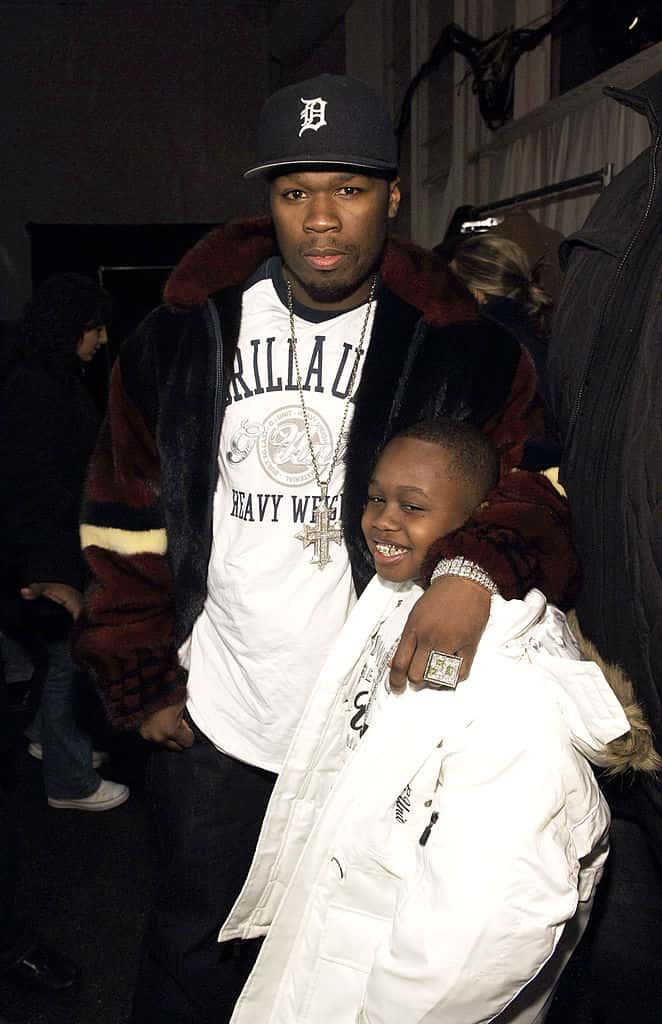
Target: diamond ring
{"points": [[442, 670]]}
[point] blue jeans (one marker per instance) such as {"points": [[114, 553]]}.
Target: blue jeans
{"points": [[208, 810], [67, 765]]}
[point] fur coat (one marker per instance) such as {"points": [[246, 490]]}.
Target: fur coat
{"points": [[147, 518]]}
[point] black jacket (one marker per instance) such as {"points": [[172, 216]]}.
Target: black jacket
{"points": [[605, 374], [48, 427]]}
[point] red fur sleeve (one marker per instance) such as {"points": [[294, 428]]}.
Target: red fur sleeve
{"points": [[124, 636], [521, 537]]}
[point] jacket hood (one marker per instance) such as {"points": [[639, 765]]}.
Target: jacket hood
{"points": [[230, 254], [635, 751], [605, 721]]}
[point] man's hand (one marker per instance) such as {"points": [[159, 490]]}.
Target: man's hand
{"points": [[168, 728], [449, 617], [60, 593]]}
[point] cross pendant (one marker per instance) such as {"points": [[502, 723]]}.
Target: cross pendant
{"points": [[322, 531]]}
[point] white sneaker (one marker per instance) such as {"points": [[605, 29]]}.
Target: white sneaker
{"points": [[99, 757], [108, 795]]}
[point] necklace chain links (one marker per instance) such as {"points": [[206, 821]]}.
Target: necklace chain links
{"points": [[324, 530], [324, 484]]}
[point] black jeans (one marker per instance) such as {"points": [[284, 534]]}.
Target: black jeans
{"points": [[208, 810]]}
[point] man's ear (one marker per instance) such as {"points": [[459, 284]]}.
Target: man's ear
{"points": [[393, 198]]}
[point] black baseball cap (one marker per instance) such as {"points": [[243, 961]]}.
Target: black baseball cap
{"points": [[331, 120]]}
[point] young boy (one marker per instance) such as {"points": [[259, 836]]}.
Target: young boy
{"points": [[430, 856]]}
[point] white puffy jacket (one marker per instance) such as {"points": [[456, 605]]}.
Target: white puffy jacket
{"points": [[363, 922]]}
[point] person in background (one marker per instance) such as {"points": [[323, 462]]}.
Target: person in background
{"points": [[496, 272], [48, 428], [431, 855], [539, 242], [605, 377], [25, 959]]}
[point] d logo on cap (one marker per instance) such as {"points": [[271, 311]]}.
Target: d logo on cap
{"points": [[358, 133], [312, 114]]}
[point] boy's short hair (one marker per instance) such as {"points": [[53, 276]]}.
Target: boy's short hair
{"points": [[474, 460]]}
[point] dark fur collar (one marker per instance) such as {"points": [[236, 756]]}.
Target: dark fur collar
{"points": [[228, 255]]}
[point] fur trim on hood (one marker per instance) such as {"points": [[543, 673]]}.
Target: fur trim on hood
{"points": [[635, 751], [228, 255]]}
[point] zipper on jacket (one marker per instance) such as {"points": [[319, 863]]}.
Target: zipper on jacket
{"points": [[425, 835], [334, 860]]}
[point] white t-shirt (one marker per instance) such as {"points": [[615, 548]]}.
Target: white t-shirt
{"points": [[271, 615]]}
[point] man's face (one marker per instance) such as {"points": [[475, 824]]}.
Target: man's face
{"points": [[331, 229], [414, 497]]}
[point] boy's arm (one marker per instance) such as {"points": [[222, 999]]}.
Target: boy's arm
{"points": [[520, 537], [495, 884], [125, 634]]}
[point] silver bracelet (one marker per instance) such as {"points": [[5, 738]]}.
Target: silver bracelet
{"points": [[467, 570]]}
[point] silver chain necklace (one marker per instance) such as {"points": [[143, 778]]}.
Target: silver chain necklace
{"points": [[322, 532]]}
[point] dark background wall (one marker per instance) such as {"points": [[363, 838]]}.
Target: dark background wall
{"points": [[125, 112]]}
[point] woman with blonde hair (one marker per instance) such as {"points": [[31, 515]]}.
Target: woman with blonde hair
{"points": [[496, 271], [496, 268]]}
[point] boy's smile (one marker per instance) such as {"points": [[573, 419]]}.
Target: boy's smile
{"points": [[414, 497]]}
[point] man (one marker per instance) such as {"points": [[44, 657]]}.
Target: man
{"points": [[240, 413], [605, 369]]}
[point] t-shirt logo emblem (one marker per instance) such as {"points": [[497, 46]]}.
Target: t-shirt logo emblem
{"points": [[312, 114]]}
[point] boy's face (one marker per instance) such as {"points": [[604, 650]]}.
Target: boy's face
{"points": [[412, 501]]}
